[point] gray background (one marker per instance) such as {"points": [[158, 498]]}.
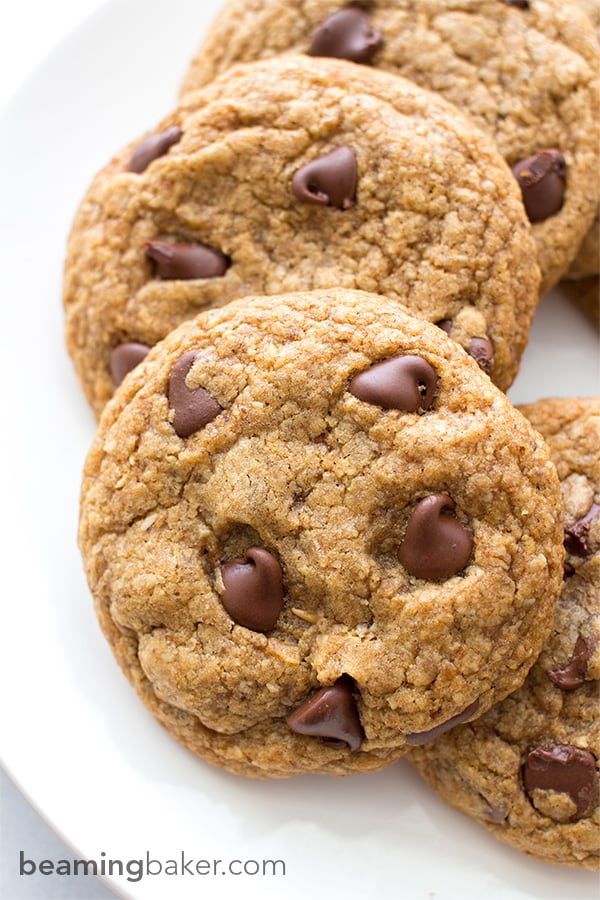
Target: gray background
{"points": [[21, 828]]}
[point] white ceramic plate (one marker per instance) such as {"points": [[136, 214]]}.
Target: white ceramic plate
{"points": [[74, 736]]}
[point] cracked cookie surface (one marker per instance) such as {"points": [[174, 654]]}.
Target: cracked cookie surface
{"points": [[315, 530], [528, 769], [296, 174], [526, 73]]}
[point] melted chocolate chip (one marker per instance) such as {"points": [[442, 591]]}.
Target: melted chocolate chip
{"points": [[564, 769], [576, 535], [573, 674], [186, 261], [542, 179], [330, 714], [253, 589], [346, 34], [124, 358], [193, 408], [436, 544], [425, 737], [407, 383], [329, 180], [482, 351], [152, 147]]}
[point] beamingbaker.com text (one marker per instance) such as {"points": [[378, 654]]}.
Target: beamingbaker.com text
{"points": [[150, 865]]}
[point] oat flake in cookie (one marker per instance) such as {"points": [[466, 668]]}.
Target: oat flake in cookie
{"points": [[315, 530], [295, 174], [526, 72], [528, 769]]}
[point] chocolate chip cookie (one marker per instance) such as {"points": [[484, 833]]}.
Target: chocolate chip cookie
{"points": [[587, 261], [314, 530], [592, 9], [526, 71], [528, 769], [294, 174], [585, 294]]}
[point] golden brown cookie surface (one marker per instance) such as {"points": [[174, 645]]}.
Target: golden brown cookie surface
{"points": [[314, 530], [587, 262], [528, 769], [592, 9], [585, 294], [292, 175], [525, 72]]}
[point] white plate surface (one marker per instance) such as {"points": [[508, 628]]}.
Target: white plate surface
{"points": [[73, 734]]}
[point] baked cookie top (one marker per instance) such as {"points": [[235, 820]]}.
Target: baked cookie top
{"points": [[528, 769], [294, 174], [526, 71], [585, 294], [592, 9], [587, 261], [315, 530]]}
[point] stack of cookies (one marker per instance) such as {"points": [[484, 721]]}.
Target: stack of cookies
{"points": [[318, 535]]}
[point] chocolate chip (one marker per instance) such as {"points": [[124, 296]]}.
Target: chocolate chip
{"points": [[186, 261], [568, 570], [542, 179], [253, 589], [329, 180], [482, 351], [573, 674], [407, 383], [576, 535], [425, 737], [519, 4], [330, 714], [436, 544], [564, 769], [445, 325], [193, 408], [152, 147], [346, 34], [124, 358]]}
